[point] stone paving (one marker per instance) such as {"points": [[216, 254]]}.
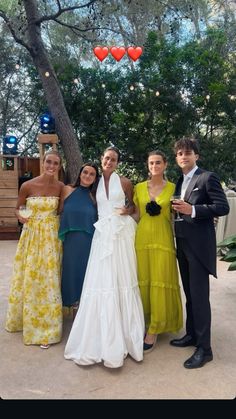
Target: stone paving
{"points": [[28, 372]]}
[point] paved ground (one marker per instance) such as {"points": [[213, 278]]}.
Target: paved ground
{"points": [[28, 372]]}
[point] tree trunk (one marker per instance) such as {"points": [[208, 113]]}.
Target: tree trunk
{"points": [[64, 128]]}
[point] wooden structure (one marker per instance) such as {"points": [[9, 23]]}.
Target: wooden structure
{"points": [[28, 165], [14, 170], [8, 196]]}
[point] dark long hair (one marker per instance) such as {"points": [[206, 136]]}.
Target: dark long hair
{"points": [[93, 187]]}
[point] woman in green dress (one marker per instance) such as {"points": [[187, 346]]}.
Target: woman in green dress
{"points": [[156, 256]]}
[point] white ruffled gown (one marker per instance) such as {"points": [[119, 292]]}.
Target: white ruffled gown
{"points": [[109, 324]]}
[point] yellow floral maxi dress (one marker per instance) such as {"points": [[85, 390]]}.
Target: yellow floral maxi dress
{"points": [[157, 266], [35, 304]]}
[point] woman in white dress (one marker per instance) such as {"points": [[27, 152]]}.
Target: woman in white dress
{"points": [[109, 324]]}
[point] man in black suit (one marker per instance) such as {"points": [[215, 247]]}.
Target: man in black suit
{"points": [[202, 199]]}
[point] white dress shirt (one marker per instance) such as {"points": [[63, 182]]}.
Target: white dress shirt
{"points": [[184, 186]]}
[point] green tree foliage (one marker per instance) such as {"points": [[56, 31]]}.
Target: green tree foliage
{"points": [[18, 109], [172, 92], [183, 84]]}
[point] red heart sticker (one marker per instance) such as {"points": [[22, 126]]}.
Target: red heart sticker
{"points": [[134, 52], [101, 52], [117, 52]]}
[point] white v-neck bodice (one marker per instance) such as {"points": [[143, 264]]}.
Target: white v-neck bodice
{"points": [[116, 196]]}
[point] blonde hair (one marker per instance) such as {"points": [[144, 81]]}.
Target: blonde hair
{"points": [[54, 152]]}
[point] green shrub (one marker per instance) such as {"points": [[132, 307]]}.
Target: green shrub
{"points": [[228, 251]]}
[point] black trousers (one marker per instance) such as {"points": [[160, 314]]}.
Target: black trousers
{"points": [[195, 279]]}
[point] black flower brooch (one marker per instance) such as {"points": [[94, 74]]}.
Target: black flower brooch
{"points": [[153, 208]]}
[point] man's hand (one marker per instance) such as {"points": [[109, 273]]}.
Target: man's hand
{"points": [[182, 206]]}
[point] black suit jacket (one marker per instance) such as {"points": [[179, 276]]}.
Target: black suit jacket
{"points": [[205, 192]]}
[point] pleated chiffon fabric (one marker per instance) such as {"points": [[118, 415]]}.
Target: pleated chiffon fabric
{"points": [[157, 265]]}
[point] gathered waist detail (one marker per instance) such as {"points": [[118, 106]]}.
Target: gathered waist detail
{"points": [[110, 228], [43, 216], [152, 246]]}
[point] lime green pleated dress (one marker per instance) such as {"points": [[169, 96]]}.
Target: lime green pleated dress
{"points": [[157, 265]]}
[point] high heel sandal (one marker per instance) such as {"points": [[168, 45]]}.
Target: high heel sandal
{"points": [[148, 347], [44, 346]]}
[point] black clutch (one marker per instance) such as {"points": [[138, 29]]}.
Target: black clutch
{"points": [[153, 208]]}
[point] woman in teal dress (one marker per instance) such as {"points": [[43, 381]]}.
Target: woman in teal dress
{"points": [[76, 232], [156, 257]]}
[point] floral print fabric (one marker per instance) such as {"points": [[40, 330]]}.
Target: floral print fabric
{"points": [[35, 298]]}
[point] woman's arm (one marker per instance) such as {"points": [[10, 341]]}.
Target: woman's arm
{"points": [[127, 186], [65, 192], [23, 194], [136, 214]]}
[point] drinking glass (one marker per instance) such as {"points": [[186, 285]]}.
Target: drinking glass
{"points": [[24, 211], [176, 198]]}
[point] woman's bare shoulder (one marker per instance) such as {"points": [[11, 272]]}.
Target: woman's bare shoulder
{"points": [[27, 184], [61, 185], [67, 190], [125, 181], [68, 187]]}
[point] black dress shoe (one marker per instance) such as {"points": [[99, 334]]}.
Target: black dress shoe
{"points": [[199, 358], [186, 340]]}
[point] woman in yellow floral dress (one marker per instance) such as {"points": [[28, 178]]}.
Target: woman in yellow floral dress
{"points": [[156, 258], [35, 304]]}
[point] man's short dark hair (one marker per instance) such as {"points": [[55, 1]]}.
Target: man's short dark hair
{"points": [[186, 144]]}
